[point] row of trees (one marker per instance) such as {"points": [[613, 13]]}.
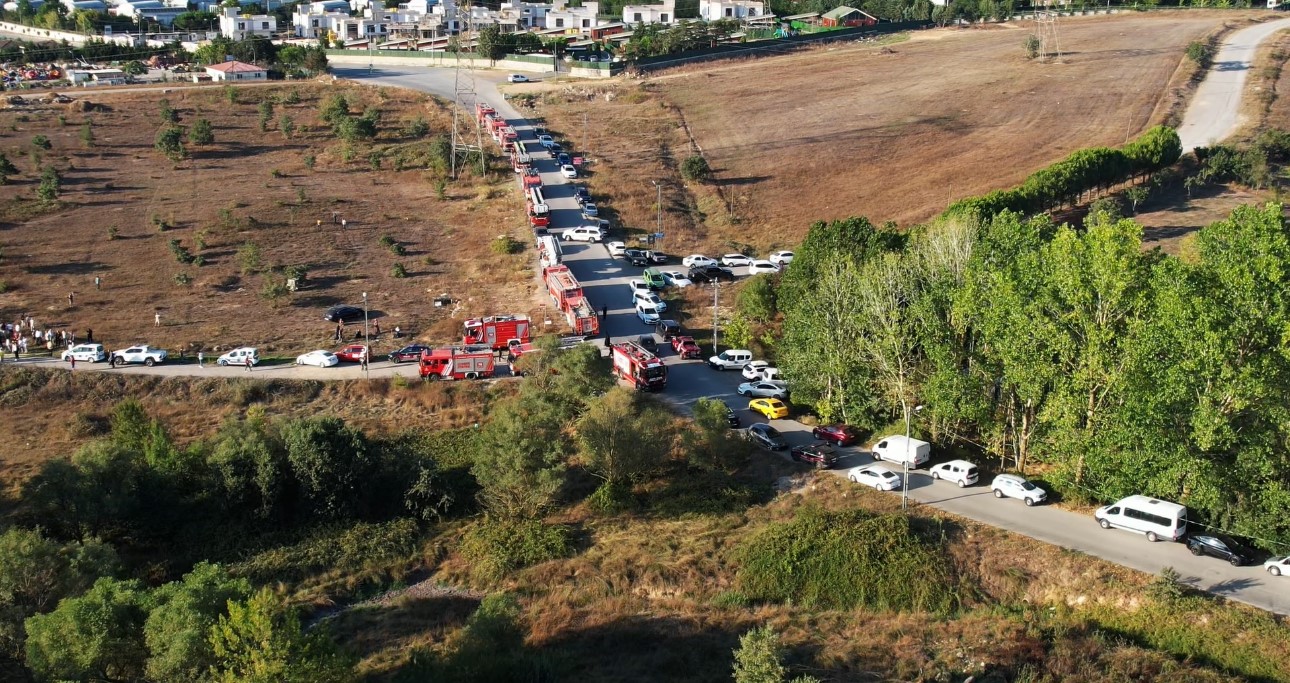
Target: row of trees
{"points": [[652, 40], [1084, 171], [1122, 370]]}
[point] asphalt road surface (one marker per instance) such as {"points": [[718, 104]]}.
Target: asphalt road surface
{"points": [[605, 282], [1215, 110]]}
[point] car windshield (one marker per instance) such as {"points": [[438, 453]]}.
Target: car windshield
{"points": [[771, 432], [1028, 486]]}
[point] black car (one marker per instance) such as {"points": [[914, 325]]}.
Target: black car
{"points": [[766, 436], [732, 418], [636, 257], [411, 352], [338, 314], [582, 194], [1222, 547], [710, 273], [819, 454], [648, 342], [668, 329], [562, 159]]}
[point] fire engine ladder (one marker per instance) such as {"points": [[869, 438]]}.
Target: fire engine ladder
{"points": [[638, 352]]}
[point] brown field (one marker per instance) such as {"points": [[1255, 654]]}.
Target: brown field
{"points": [[898, 132], [249, 186]]}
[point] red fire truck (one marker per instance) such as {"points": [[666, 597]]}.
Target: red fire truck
{"points": [[640, 368], [497, 331], [482, 110], [454, 362], [567, 294]]}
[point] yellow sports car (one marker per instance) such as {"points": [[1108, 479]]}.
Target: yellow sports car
{"points": [[772, 408]]}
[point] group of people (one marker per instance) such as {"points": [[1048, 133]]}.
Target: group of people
{"points": [[23, 335]]}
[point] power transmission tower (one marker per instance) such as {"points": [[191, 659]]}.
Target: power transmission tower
{"points": [[1046, 29], [465, 141]]}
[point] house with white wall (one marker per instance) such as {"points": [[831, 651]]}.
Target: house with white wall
{"points": [[149, 10], [572, 19], [738, 10], [242, 26], [650, 14], [236, 71]]}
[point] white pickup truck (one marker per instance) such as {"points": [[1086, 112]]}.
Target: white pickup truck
{"points": [[148, 355]]}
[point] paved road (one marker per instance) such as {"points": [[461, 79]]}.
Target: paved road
{"points": [[1214, 113], [604, 280]]}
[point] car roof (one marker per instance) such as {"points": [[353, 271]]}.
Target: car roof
{"points": [[1010, 477], [873, 468], [960, 463]]}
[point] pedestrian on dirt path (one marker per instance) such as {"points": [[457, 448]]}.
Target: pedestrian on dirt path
{"points": [[156, 319], [71, 298], [339, 331], [98, 282], [200, 358]]}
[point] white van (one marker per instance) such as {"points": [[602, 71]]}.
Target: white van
{"points": [[245, 355], [900, 448], [734, 359], [1156, 518]]}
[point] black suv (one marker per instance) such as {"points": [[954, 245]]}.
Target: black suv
{"points": [[582, 194], [668, 329], [408, 353], [648, 342], [731, 417], [710, 273], [819, 454], [337, 314], [636, 257]]}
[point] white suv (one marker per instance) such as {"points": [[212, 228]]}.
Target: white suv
{"points": [[960, 472], [148, 355], [246, 355], [90, 353], [586, 233], [649, 299], [733, 359], [1013, 486]]}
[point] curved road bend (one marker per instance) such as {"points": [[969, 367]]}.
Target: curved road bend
{"points": [[1214, 112], [604, 280]]}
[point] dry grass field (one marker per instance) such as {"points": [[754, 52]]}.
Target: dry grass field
{"points": [[248, 187], [898, 132]]}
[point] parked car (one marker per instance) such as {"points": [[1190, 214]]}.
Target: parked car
{"points": [[657, 257], [781, 258], [148, 355], [819, 454], [338, 314], [752, 371], [730, 359], [555, 148], [589, 210], [568, 171], [686, 347], [243, 355], [1156, 519], [653, 279], [960, 472], [517, 78], [877, 476], [320, 358], [648, 342], [675, 278], [585, 233], [733, 260], [1014, 486], [636, 257], [764, 389], [582, 194], [732, 418], [637, 287], [647, 314], [616, 249], [546, 141], [1222, 547], [352, 354], [710, 273], [88, 353], [649, 298], [411, 352], [841, 435], [762, 267], [667, 329], [563, 159], [1278, 566], [766, 436], [697, 260], [772, 408]]}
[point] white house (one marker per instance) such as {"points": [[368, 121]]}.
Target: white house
{"points": [[572, 19], [243, 26], [153, 10], [236, 71], [713, 10], [320, 19], [527, 14], [650, 14], [91, 5]]}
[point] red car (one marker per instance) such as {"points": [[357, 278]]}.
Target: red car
{"points": [[686, 348], [352, 353], [841, 435]]}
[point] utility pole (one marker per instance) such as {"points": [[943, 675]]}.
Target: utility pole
{"points": [[586, 145], [659, 204], [904, 483], [367, 343], [716, 289]]}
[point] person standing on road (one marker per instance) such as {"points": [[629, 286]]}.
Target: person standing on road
{"points": [[200, 357], [248, 363], [112, 361], [72, 360], [363, 359]]}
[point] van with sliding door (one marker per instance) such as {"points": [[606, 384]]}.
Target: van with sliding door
{"points": [[1156, 519]]}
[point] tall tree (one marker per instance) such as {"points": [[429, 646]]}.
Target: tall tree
{"points": [[623, 436], [177, 631], [95, 637], [261, 641]]}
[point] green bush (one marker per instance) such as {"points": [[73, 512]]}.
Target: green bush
{"points": [[844, 560], [497, 547], [1200, 53], [505, 244], [41, 142], [339, 549], [696, 168], [399, 271]]}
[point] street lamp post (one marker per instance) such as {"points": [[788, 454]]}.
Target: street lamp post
{"points": [[904, 483], [716, 290], [367, 343], [659, 204]]}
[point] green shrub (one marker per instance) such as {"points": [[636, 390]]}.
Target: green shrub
{"points": [[844, 560], [1031, 45], [183, 279], [497, 547], [340, 549], [41, 142], [387, 241], [309, 161], [505, 244], [696, 168], [399, 271], [201, 133], [1200, 53]]}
